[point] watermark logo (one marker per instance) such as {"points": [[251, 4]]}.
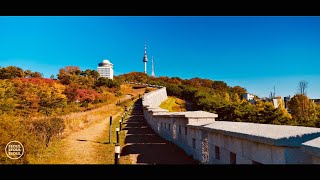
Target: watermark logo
{"points": [[14, 150]]}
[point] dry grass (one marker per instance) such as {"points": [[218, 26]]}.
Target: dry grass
{"points": [[80, 120], [16, 129], [64, 151], [97, 151], [127, 89]]}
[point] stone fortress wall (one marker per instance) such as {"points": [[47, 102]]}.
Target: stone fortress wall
{"points": [[223, 142]]}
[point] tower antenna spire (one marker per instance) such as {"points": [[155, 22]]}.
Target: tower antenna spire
{"points": [[145, 57], [152, 74]]}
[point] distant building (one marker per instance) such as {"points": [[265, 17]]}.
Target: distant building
{"points": [[286, 99], [105, 69], [276, 102], [248, 96], [316, 101]]}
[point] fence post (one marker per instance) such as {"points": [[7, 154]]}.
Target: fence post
{"points": [[117, 134], [110, 130], [120, 124]]}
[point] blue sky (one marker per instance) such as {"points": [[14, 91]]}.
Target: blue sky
{"points": [[254, 52]]}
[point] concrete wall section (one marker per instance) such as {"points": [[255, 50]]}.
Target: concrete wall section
{"points": [[220, 142]]}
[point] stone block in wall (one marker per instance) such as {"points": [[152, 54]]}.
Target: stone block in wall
{"points": [[234, 145], [297, 156], [278, 155], [212, 153], [191, 132], [243, 160], [198, 135], [224, 156], [158, 127], [226, 140], [188, 149], [259, 152], [197, 155], [315, 160], [217, 139]]}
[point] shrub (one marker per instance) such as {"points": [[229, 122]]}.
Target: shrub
{"points": [[47, 128]]}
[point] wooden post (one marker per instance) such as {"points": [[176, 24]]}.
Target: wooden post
{"points": [[110, 130], [117, 134]]}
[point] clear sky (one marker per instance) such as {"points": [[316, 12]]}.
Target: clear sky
{"points": [[254, 52]]}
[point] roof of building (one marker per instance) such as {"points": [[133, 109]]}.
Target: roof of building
{"points": [[105, 62]]}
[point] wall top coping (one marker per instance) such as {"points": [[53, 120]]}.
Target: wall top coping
{"points": [[158, 110], [153, 92], [312, 147], [278, 135], [188, 114], [153, 108]]}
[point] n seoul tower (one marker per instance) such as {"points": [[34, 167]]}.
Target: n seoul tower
{"points": [[145, 58]]}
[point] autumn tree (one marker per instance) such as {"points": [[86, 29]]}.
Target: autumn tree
{"points": [[11, 72], [51, 98], [90, 73], [134, 77], [27, 73], [238, 90], [36, 75], [103, 81], [30, 74], [69, 74], [303, 110], [219, 86], [8, 98]]}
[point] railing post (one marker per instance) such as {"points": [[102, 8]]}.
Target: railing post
{"points": [[120, 124], [117, 154]]}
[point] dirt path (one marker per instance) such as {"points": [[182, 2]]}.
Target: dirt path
{"points": [[89, 145], [146, 147], [81, 145]]}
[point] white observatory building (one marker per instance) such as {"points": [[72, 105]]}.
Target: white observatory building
{"points": [[105, 69]]}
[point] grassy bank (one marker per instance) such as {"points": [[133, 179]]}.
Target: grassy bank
{"points": [[173, 104], [23, 129]]}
